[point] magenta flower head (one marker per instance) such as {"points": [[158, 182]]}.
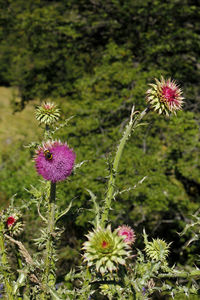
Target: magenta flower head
{"points": [[127, 233], [165, 96], [54, 161]]}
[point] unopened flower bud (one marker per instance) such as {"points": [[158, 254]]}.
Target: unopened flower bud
{"points": [[47, 113]]}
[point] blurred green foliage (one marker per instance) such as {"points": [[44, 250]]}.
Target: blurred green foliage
{"points": [[95, 59]]}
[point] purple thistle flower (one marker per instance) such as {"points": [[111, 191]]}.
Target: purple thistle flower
{"points": [[54, 161]]}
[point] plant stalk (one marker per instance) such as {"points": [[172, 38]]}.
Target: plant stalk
{"points": [[181, 274], [111, 183], [49, 278]]}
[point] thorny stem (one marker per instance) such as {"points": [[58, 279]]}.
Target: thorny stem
{"points": [[111, 183], [49, 263], [4, 266]]}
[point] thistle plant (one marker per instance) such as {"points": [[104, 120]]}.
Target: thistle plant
{"points": [[54, 161], [111, 265]]}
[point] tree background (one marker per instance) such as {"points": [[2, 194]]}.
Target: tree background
{"points": [[95, 59]]}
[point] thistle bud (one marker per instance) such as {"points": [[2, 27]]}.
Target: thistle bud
{"points": [[47, 113], [12, 220], [105, 250], [157, 250]]}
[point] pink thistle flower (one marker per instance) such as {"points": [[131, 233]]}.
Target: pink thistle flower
{"points": [[10, 221], [165, 96], [54, 161], [127, 233]]}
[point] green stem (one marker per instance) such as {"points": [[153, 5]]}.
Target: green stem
{"points": [[4, 266], [111, 183], [181, 274], [49, 278]]}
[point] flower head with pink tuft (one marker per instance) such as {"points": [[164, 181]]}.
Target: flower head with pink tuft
{"points": [[54, 161], [127, 233], [165, 96]]}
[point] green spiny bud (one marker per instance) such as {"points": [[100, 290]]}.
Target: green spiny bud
{"points": [[105, 250], [157, 250]]}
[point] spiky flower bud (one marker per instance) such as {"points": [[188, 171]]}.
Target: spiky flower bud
{"points": [[127, 233], [47, 113], [165, 96], [105, 250], [157, 250]]}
